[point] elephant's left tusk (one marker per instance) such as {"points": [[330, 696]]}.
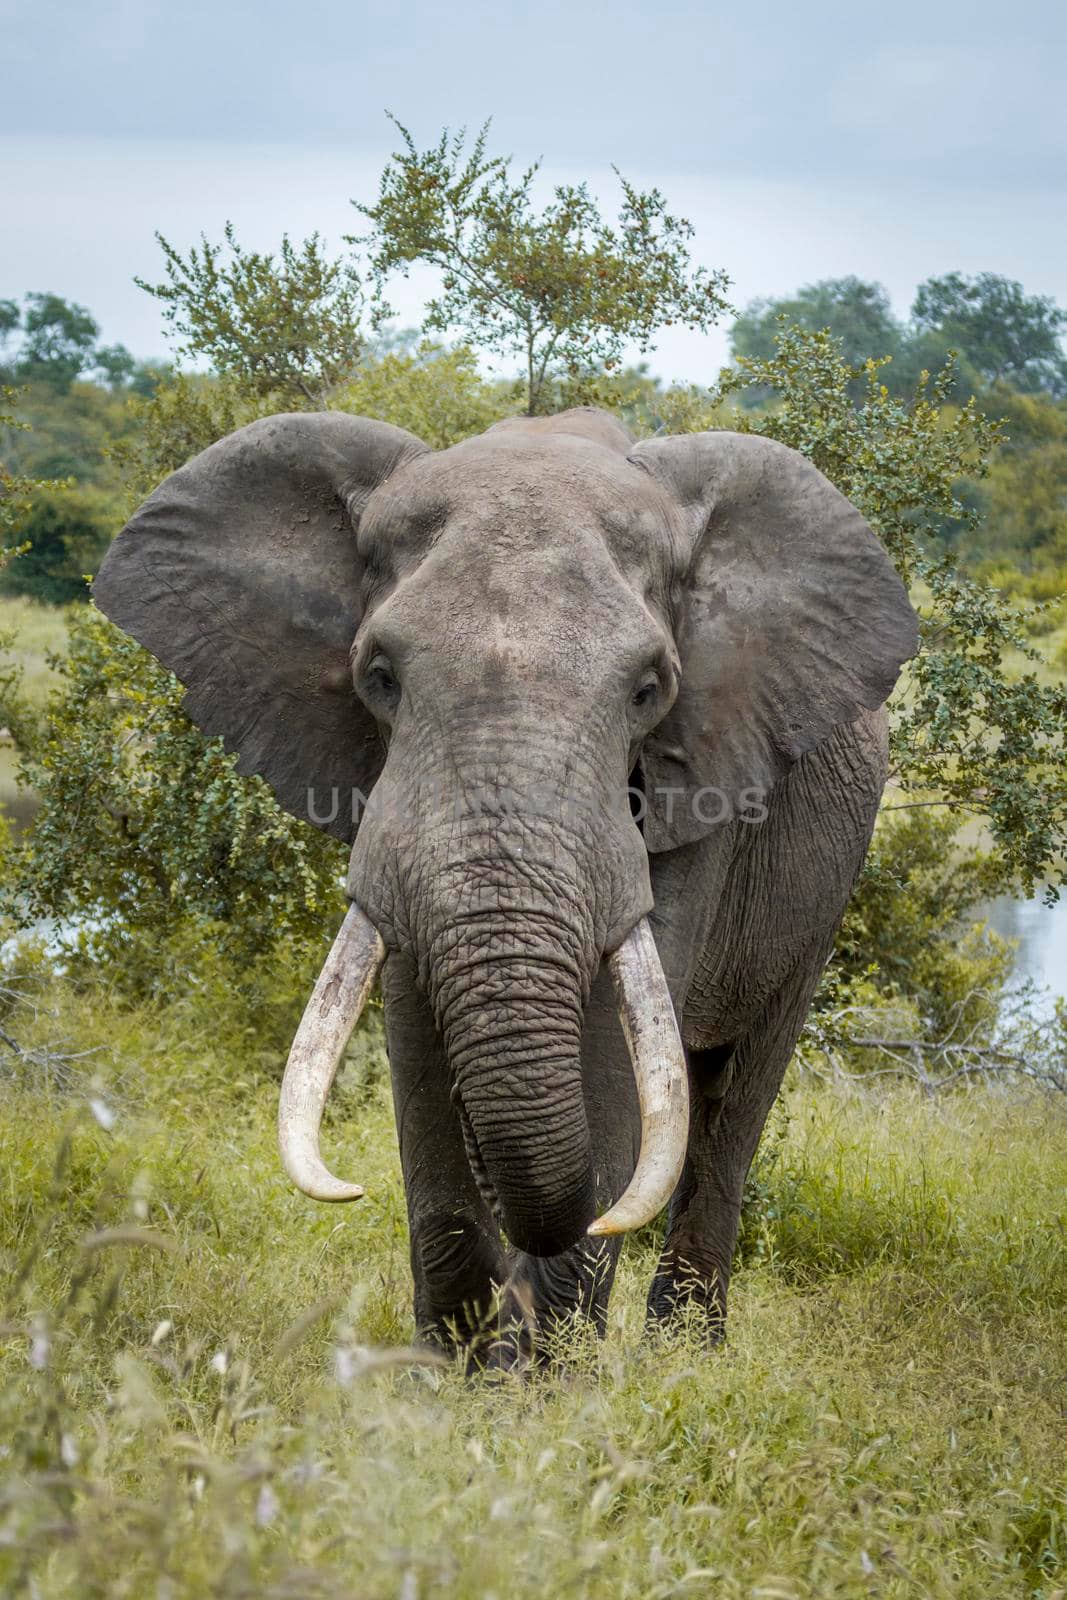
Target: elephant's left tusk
{"points": [[348, 975], [659, 1064]]}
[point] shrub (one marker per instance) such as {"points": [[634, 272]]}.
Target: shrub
{"points": [[985, 740], [145, 832], [67, 529]]}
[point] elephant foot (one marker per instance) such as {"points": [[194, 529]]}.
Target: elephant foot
{"points": [[516, 1317], [576, 1283], [496, 1335], [458, 1268], [689, 1288]]}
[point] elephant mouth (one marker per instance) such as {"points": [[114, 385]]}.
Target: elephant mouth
{"points": [[646, 1012]]}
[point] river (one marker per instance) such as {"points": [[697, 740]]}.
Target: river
{"points": [[1042, 934]]}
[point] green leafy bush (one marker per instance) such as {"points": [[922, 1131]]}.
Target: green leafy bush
{"points": [[287, 326], [435, 393], [67, 529], [145, 832], [911, 926], [983, 739]]}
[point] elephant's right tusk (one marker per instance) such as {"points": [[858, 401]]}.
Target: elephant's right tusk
{"points": [[662, 1075], [348, 975]]}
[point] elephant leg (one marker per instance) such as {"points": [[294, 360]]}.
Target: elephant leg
{"points": [[457, 1259], [688, 884], [578, 1282], [733, 1089]]}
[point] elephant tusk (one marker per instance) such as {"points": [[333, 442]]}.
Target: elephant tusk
{"points": [[348, 975], [659, 1064]]}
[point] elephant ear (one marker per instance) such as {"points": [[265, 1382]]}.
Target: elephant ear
{"points": [[791, 621], [241, 575]]}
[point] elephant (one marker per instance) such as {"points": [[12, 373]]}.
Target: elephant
{"points": [[604, 724]]}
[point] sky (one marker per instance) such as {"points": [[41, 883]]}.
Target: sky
{"points": [[801, 141]]}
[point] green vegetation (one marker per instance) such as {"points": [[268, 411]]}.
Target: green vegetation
{"points": [[559, 289], [1000, 344], [59, 345], [167, 837], [60, 485], [289, 326], [1006, 335], [1023, 508], [998, 332], [207, 1391], [32, 634]]}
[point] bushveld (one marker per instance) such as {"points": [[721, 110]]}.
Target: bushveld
{"points": [[209, 1386]]}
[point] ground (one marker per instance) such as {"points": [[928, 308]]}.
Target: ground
{"points": [[217, 1399]]}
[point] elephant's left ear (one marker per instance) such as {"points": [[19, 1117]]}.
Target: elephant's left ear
{"points": [[791, 621]]}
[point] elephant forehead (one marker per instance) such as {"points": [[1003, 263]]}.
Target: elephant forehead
{"points": [[513, 499], [543, 592]]}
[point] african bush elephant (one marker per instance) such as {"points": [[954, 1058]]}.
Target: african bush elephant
{"points": [[615, 710]]}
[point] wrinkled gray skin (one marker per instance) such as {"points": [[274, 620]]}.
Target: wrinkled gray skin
{"points": [[546, 610]]}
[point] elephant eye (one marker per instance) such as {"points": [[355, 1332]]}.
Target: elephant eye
{"points": [[646, 692], [380, 684]]}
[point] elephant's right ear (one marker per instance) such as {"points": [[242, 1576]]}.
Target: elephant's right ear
{"points": [[241, 575]]}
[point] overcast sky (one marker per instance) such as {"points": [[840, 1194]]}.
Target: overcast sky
{"points": [[802, 141]]}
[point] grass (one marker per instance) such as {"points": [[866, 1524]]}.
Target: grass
{"points": [[199, 1404], [33, 630]]}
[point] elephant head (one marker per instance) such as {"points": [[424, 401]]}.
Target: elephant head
{"points": [[458, 661]]}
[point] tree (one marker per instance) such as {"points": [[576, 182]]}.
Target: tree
{"points": [[69, 435], [857, 314], [67, 529], [558, 287], [59, 345], [1001, 333], [286, 326], [1025, 495], [115, 365], [17, 489], [60, 341], [968, 734], [59, 490], [10, 322]]}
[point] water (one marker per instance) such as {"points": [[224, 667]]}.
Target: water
{"points": [[1042, 934]]}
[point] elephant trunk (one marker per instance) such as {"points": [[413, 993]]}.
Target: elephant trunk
{"points": [[509, 1006]]}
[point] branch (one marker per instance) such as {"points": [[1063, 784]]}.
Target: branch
{"points": [[953, 805], [1022, 1046], [936, 1048], [50, 1062]]}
